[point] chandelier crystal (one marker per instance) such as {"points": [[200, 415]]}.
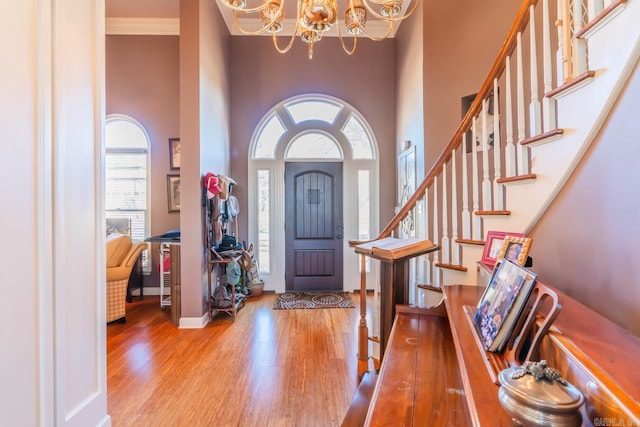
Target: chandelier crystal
{"points": [[315, 17]]}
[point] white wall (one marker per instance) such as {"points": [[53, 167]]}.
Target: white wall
{"points": [[52, 323]]}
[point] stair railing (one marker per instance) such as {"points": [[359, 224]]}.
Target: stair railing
{"points": [[490, 148]]}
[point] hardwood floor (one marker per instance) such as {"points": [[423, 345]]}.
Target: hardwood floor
{"points": [[268, 368]]}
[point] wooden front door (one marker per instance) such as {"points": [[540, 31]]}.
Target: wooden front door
{"points": [[313, 226]]}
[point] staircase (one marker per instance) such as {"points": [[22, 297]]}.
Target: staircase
{"points": [[556, 79], [543, 102]]}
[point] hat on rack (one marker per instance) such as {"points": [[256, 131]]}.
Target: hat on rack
{"points": [[224, 185], [212, 184]]}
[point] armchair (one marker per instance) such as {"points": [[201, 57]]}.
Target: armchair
{"points": [[122, 254]]}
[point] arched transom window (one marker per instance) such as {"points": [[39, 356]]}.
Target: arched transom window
{"points": [[310, 128]]}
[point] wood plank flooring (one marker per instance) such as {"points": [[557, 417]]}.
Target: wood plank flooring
{"points": [[268, 368]]}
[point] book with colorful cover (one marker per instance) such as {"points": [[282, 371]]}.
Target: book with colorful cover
{"points": [[502, 303]]}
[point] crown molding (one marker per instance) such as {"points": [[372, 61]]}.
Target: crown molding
{"points": [[143, 26]]}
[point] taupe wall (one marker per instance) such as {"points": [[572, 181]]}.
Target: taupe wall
{"points": [[261, 78], [461, 40], [586, 244], [410, 87], [142, 81]]}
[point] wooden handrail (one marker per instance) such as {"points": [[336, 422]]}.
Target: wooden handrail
{"points": [[519, 25]]}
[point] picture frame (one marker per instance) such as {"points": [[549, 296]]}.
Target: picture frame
{"points": [[515, 249], [173, 193], [174, 153], [493, 245]]}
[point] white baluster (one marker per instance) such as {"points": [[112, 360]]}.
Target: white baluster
{"points": [[476, 227], [455, 246], [548, 104], [466, 216], [594, 7], [535, 119], [486, 181], [446, 244], [578, 46], [522, 152], [498, 189], [564, 36], [428, 270], [510, 149], [436, 271]]}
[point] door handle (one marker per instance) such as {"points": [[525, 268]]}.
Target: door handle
{"points": [[339, 236]]}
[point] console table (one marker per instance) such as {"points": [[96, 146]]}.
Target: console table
{"points": [[433, 372]]}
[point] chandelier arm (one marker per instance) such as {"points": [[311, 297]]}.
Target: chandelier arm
{"points": [[261, 30], [344, 46], [244, 30], [244, 10], [366, 4], [288, 46]]}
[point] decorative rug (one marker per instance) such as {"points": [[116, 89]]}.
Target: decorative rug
{"points": [[319, 299]]}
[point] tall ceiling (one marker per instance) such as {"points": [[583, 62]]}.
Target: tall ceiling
{"points": [[170, 9]]}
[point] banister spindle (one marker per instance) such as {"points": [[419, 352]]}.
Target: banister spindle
{"points": [[436, 257], [486, 181], [477, 221], [522, 151], [578, 45], [498, 189], [564, 41], [428, 267], [510, 148], [363, 331], [466, 215], [535, 119], [455, 246], [594, 7], [445, 247], [548, 104]]}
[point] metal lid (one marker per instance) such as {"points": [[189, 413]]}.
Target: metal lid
{"points": [[538, 386]]}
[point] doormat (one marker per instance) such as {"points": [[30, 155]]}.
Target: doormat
{"points": [[319, 299]]}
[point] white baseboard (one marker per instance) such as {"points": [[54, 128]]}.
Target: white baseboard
{"points": [[185, 322], [194, 322], [153, 290]]}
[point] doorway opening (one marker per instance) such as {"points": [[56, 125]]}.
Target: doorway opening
{"points": [[307, 130]]}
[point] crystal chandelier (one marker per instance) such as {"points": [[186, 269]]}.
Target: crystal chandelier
{"points": [[315, 17]]}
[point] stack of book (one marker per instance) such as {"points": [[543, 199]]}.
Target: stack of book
{"points": [[502, 304]]}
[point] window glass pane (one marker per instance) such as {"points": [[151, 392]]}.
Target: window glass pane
{"points": [[268, 139], [126, 186], [126, 183], [313, 110], [313, 146], [358, 138], [263, 221], [364, 204], [124, 134]]}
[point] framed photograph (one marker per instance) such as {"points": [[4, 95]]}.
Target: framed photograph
{"points": [[502, 302], [493, 245], [173, 192], [515, 249], [174, 153]]}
